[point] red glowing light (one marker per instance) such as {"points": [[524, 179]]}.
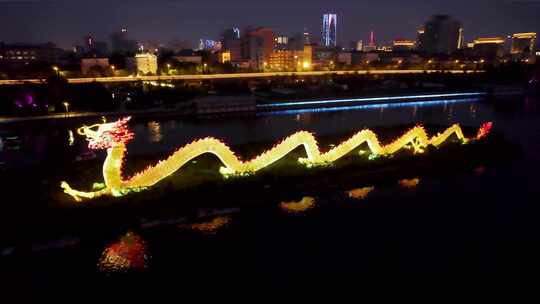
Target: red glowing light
{"points": [[484, 130], [111, 135]]}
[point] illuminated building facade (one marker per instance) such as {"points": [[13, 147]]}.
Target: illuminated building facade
{"points": [[400, 45], [282, 40], [359, 45], [523, 44], [209, 44], [89, 64], [442, 35], [461, 39], [290, 60], [146, 64], [26, 53], [489, 48], [329, 32], [224, 57]]}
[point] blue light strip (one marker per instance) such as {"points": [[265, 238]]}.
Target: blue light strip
{"points": [[370, 106], [388, 98]]}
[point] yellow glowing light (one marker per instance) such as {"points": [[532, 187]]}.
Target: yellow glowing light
{"points": [[360, 193], [524, 35], [303, 205], [409, 183], [209, 227], [71, 139], [116, 185], [55, 68], [489, 40], [306, 65]]}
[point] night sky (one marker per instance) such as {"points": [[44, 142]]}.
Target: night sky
{"points": [[66, 22]]}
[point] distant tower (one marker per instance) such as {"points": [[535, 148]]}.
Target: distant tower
{"points": [[461, 39], [372, 45], [89, 41], [329, 33], [372, 39], [306, 36]]}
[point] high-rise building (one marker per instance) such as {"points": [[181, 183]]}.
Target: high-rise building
{"points": [[232, 43], [523, 43], [442, 35], [257, 46], [306, 36], [329, 32], [420, 38], [461, 39]]}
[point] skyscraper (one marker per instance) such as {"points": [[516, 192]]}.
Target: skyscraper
{"points": [[442, 35], [232, 43], [257, 45], [329, 32], [306, 36]]}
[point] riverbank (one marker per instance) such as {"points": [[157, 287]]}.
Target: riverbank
{"points": [[262, 106]]}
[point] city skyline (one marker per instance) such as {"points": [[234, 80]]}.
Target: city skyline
{"points": [[66, 23]]}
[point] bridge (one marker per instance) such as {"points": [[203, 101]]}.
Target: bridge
{"points": [[232, 76]]}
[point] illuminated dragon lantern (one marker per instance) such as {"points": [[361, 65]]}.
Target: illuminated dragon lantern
{"points": [[114, 137]]}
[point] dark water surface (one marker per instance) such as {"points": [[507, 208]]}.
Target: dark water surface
{"points": [[482, 221]]}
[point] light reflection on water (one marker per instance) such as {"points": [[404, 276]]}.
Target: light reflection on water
{"points": [[242, 130], [210, 227], [155, 131], [305, 204], [128, 254], [409, 183], [359, 193]]}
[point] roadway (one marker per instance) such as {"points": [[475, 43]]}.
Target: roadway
{"points": [[229, 76]]}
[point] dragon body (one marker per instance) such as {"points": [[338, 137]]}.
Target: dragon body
{"points": [[114, 136]]}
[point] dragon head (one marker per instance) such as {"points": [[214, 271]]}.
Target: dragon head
{"points": [[107, 135]]}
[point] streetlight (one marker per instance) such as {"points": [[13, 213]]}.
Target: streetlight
{"points": [[204, 68], [66, 106], [56, 70], [113, 68], [168, 68]]}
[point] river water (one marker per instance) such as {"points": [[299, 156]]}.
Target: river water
{"points": [[482, 221]]}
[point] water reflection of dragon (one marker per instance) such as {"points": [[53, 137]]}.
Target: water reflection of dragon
{"points": [[114, 137]]}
